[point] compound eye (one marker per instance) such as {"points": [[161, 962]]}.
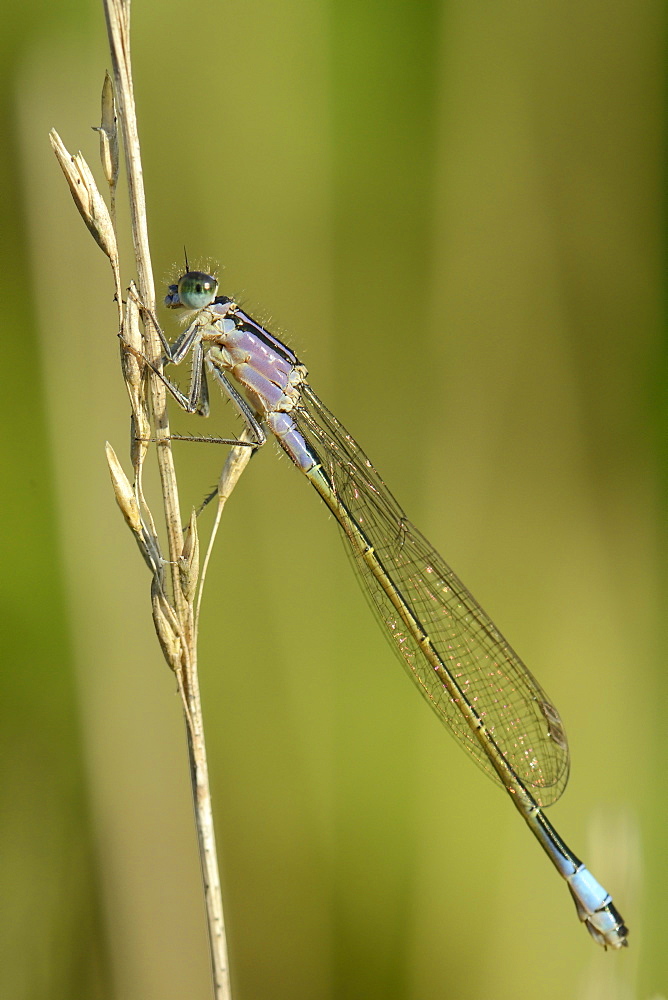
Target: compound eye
{"points": [[197, 289]]}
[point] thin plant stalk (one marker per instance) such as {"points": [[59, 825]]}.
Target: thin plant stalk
{"points": [[173, 596], [118, 26]]}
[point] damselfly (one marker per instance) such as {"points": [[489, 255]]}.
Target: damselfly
{"points": [[461, 663]]}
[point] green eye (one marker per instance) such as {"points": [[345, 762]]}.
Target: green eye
{"points": [[197, 289]]}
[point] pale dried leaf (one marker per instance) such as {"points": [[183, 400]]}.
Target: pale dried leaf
{"points": [[108, 132], [163, 620], [189, 561], [87, 198], [124, 493]]}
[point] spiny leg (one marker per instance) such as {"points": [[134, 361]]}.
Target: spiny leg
{"points": [[197, 401]]}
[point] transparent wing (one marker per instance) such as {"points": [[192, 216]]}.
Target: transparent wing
{"points": [[512, 705]]}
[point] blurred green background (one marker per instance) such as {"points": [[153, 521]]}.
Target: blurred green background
{"points": [[452, 213]]}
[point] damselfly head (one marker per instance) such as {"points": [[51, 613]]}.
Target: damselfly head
{"points": [[195, 290]]}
